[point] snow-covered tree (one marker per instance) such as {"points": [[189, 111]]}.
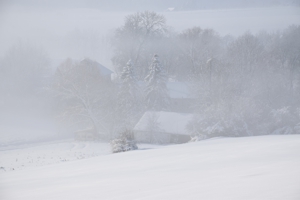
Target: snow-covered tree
{"points": [[135, 39], [125, 142], [129, 95], [157, 97], [197, 45]]}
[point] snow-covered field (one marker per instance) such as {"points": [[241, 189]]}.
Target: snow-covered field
{"points": [[27, 156], [265, 167]]}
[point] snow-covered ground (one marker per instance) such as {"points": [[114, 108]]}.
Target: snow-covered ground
{"points": [[265, 167], [39, 154], [30, 155]]}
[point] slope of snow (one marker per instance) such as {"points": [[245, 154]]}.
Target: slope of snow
{"points": [[39, 154], [30, 155], [265, 167]]}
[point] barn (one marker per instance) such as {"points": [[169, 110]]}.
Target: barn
{"points": [[104, 71], [163, 127]]}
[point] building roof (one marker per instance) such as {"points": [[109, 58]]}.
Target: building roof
{"points": [[103, 70], [167, 122]]}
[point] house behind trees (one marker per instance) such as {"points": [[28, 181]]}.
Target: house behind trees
{"points": [[163, 127]]}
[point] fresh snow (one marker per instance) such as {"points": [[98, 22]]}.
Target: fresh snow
{"points": [[264, 167], [30, 155], [16, 157]]}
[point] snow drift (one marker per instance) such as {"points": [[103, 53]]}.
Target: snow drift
{"points": [[264, 167]]}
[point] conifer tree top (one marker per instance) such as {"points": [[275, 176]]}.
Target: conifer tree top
{"points": [[157, 97], [129, 63]]}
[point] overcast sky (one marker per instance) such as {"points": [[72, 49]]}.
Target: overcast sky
{"points": [[58, 25], [158, 5]]}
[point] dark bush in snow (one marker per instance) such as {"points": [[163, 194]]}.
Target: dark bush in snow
{"points": [[125, 142]]}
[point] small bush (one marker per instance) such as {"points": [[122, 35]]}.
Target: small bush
{"points": [[197, 138], [125, 142]]}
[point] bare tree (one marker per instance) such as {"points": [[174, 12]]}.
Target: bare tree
{"points": [[197, 46], [290, 48], [86, 98], [130, 40]]}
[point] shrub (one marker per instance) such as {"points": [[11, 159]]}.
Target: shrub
{"points": [[125, 142]]}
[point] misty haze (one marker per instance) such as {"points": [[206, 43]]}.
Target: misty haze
{"points": [[149, 99]]}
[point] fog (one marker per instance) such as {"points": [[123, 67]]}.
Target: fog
{"points": [[37, 37], [50, 24]]}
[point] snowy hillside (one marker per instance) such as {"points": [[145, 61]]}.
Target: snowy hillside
{"points": [[28, 156], [265, 167]]}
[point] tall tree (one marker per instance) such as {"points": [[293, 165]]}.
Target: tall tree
{"points": [[85, 97], [197, 46], [131, 40], [290, 48], [157, 97], [129, 94]]}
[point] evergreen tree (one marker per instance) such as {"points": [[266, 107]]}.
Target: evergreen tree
{"points": [[157, 97], [128, 95]]}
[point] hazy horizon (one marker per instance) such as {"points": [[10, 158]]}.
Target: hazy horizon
{"points": [[81, 29], [55, 28]]}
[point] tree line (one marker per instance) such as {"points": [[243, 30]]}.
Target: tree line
{"points": [[239, 86], [246, 85]]}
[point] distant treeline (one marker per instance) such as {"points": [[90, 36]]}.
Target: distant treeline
{"points": [[239, 86]]}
